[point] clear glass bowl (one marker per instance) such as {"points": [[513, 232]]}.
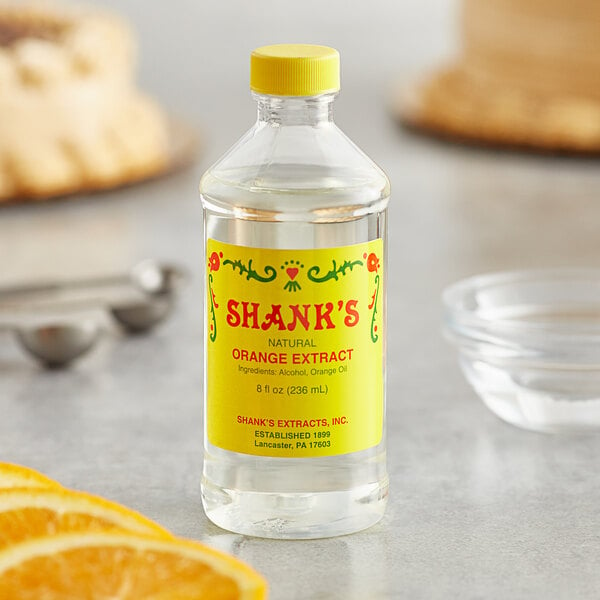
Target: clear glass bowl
{"points": [[529, 344]]}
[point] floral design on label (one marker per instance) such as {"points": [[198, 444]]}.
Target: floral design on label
{"points": [[292, 268], [270, 272], [214, 262], [373, 267], [313, 272]]}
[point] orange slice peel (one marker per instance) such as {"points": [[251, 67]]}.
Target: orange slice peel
{"points": [[27, 513], [12, 476], [123, 566]]}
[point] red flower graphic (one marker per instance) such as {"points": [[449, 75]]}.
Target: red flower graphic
{"points": [[373, 263], [214, 262]]}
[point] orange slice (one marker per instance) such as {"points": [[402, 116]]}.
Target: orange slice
{"points": [[28, 513], [18, 476], [120, 566]]}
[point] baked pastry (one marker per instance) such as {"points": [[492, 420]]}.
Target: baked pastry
{"points": [[70, 116], [528, 75]]}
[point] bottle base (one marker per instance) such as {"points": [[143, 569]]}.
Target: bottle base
{"points": [[295, 515]]}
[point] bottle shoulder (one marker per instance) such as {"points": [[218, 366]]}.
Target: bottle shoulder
{"points": [[294, 168]]}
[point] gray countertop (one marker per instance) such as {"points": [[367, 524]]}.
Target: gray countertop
{"points": [[478, 509]]}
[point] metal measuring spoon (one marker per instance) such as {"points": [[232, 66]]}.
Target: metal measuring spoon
{"points": [[57, 345], [142, 316], [146, 278], [160, 283], [157, 278]]}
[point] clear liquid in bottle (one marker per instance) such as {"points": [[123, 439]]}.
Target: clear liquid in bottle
{"points": [[295, 231]]}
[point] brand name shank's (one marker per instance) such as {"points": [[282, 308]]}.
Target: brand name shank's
{"points": [[317, 316]]}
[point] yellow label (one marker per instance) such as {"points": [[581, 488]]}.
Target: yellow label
{"points": [[294, 349]]}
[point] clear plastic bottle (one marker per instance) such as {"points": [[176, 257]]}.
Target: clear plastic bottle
{"points": [[295, 227]]}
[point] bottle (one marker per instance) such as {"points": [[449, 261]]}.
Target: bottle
{"points": [[295, 234]]}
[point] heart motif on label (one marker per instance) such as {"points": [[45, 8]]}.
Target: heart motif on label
{"points": [[292, 272]]}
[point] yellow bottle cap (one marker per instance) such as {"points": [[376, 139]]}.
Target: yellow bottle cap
{"points": [[294, 70]]}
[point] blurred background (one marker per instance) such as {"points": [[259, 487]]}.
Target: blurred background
{"points": [[126, 422], [193, 58], [196, 55], [456, 209]]}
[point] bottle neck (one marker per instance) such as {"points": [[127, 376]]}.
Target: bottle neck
{"points": [[295, 110]]}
